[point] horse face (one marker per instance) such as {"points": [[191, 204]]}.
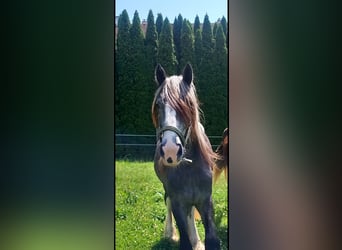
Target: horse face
{"points": [[171, 126], [170, 139]]}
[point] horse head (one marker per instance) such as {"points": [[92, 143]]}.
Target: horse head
{"points": [[170, 114]]}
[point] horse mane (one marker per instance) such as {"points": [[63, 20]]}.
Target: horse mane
{"points": [[183, 99]]}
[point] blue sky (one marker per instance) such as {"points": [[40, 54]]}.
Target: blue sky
{"points": [[171, 9]]}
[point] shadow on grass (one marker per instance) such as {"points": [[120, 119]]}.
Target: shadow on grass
{"points": [[222, 233], [165, 244]]}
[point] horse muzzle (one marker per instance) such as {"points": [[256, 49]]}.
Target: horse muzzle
{"points": [[171, 149]]}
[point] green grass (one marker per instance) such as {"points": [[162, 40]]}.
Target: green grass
{"points": [[140, 209]]}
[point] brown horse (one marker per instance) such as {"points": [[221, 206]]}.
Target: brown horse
{"points": [[221, 164], [183, 159]]}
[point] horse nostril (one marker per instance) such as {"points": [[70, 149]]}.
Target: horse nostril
{"points": [[169, 160], [180, 151]]}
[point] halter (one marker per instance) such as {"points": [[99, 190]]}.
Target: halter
{"points": [[183, 137], [176, 130]]}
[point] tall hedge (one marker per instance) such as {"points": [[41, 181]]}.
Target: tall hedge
{"points": [[136, 57]]}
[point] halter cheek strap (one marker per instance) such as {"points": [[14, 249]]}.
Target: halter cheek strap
{"points": [[174, 129]]}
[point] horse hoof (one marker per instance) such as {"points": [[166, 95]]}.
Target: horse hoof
{"points": [[199, 246], [172, 236]]}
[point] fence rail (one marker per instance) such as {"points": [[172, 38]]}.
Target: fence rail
{"points": [[137, 146], [137, 135], [151, 136]]}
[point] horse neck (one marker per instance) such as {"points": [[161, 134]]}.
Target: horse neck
{"points": [[193, 150]]}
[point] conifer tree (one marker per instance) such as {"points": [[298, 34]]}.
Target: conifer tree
{"points": [[197, 24], [187, 44], [166, 52], [177, 29], [217, 118], [220, 50], [159, 23], [214, 29], [123, 75], [151, 47], [224, 26], [140, 99], [151, 42], [197, 50], [206, 70], [207, 37]]}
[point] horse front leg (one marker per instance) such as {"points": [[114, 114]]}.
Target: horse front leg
{"points": [[180, 213], [206, 210], [193, 233], [170, 229]]}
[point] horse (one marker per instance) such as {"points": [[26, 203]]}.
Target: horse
{"points": [[183, 159], [221, 163]]}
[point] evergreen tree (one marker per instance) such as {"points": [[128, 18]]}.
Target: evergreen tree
{"points": [[197, 25], [220, 43], [177, 29], [217, 118], [166, 52], [122, 92], [224, 26], [187, 44], [207, 37], [151, 46], [140, 99], [214, 29], [151, 42], [197, 50], [206, 71], [159, 23]]}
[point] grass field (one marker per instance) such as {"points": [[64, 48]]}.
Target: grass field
{"points": [[140, 209]]}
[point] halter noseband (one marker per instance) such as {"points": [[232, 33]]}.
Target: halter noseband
{"points": [[176, 130]]}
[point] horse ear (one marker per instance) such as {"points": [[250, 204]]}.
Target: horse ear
{"points": [[159, 74], [187, 74]]}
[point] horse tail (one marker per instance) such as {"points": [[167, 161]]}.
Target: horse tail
{"points": [[218, 171], [226, 172], [221, 164]]}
